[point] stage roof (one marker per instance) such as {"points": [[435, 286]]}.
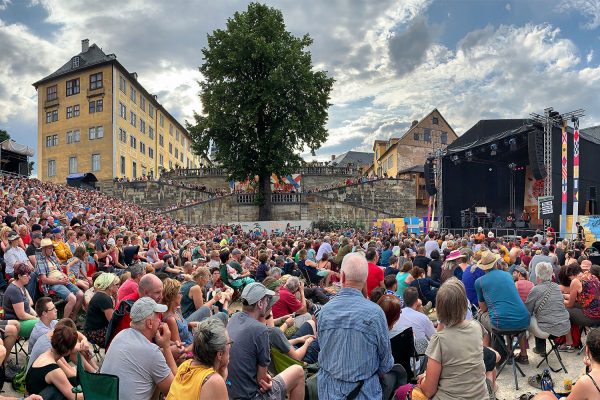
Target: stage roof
{"points": [[490, 130], [21, 149]]}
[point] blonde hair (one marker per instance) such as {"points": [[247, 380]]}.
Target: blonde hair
{"points": [[451, 302], [201, 272], [170, 290]]}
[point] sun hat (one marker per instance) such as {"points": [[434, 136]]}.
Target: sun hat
{"points": [[186, 243], [12, 235], [454, 254], [488, 259], [255, 291], [45, 243], [480, 229], [490, 234], [110, 242], [145, 307]]}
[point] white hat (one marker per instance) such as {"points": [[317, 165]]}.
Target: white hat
{"points": [[480, 229], [490, 234]]}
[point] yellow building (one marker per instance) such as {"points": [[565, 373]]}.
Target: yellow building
{"points": [[411, 149], [94, 116]]}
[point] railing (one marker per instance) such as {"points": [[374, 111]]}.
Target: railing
{"points": [[306, 170], [276, 198]]}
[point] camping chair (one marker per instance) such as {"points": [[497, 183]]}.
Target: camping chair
{"points": [[282, 361], [405, 354], [95, 386]]}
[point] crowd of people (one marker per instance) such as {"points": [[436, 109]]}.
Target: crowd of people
{"points": [[195, 311]]}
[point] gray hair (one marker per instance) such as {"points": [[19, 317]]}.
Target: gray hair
{"points": [[210, 339], [275, 271], [355, 267], [138, 269], [293, 283], [544, 271]]}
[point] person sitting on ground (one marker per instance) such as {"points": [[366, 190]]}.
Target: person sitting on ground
{"points": [[179, 327], [500, 306], [311, 269], [193, 306], [522, 283], [52, 278], [291, 299], [232, 277], [421, 260], [263, 267], [77, 269], [295, 348], [250, 357], [101, 308], [454, 372], [545, 302], [205, 375], [426, 287], [141, 365], [46, 310], [46, 376], [17, 302]]}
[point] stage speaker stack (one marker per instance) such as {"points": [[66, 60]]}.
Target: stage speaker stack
{"points": [[429, 177], [535, 148], [591, 207]]}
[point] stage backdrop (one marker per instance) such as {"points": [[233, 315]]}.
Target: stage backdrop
{"points": [[591, 226], [533, 189]]}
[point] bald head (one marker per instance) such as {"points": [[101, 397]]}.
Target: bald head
{"points": [[151, 286], [355, 268], [586, 265]]}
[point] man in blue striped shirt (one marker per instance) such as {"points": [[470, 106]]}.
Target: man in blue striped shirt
{"points": [[354, 339]]}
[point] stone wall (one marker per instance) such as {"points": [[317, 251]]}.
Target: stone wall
{"points": [[152, 194]]}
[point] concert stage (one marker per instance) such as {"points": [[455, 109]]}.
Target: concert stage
{"points": [[494, 165]]}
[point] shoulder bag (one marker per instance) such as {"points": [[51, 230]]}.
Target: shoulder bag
{"points": [[534, 328]]}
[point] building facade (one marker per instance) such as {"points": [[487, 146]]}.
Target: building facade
{"points": [[94, 116], [403, 153]]}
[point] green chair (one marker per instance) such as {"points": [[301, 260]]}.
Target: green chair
{"points": [[96, 386], [282, 361]]}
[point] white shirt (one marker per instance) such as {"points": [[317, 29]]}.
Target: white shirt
{"points": [[324, 248], [420, 323]]}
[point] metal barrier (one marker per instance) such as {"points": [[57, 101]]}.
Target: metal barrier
{"points": [[276, 198]]}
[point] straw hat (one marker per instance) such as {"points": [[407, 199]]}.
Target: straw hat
{"points": [[454, 255], [488, 259], [45, 243]]}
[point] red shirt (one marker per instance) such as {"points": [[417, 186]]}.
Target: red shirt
{"points": [[374, 278], [127, 289], [287, 303]]}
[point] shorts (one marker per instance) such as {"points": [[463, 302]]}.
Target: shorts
{"points": [[63, 291], [489, 359], [26, 327], [277, 391]]}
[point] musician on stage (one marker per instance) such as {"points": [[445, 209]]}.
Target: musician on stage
{"points": [[526, 218], [510, 220]]}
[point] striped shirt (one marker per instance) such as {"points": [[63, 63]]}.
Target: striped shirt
{"points": [[355, 346]]}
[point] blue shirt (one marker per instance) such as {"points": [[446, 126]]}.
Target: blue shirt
{"points": [[506, 309], [355, 346], [468, 279], [384, 259]]}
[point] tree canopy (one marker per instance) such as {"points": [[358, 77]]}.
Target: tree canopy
{"points": [[263, 103], [4, 135]]}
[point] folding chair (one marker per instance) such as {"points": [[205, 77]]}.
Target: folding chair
{"points": [[505, 340], [553, 348], [95, 386], [19, 347], [282, 361], [405, 354]]}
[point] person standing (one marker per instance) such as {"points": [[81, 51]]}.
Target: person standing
{"points": [[348, 322]]}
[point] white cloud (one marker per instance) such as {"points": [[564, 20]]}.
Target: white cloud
{"points": [[4, 4], [508, 7], [589, 8], [590, 56]]}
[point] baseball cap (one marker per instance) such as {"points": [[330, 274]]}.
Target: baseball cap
{"points": [[37, 235], [56, 230], [110, 242], [13, 235], [145, 307], [255, 291], [236, 251]]}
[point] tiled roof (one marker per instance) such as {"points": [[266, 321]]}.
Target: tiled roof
{"points": [[353, 157]]}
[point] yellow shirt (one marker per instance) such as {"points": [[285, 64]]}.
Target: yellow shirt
{"points": [[63, 251], [188, 381]]}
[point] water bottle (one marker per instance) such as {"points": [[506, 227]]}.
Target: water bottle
{"points": [[546, 381]]}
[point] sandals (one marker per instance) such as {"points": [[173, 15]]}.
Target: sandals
{"points": [[535, 381], [567, 348]]}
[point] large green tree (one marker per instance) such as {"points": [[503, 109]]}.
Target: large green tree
{"points": [[262, 101], [3, 135]]}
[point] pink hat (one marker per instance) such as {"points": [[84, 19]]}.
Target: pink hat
{"points": [[454, 255]]}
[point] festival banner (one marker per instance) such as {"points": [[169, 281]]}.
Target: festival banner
{"points": [[563, 215], [534, 188], [575, 174]]}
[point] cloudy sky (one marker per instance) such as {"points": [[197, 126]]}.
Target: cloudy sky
{"points": [[393, 60]]}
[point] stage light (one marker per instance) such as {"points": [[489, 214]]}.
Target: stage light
{"points": [[512, 166], [455, 159], [494, 149], [469, 155], [512, 143]]}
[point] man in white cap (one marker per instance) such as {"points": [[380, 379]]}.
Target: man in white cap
{"points": [[140, 364], [250, 355]]}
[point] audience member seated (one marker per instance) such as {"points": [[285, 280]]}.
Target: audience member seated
{"points": [[48, 314], [295, 348], [390, 304], [17, 302], [193, 306], [434, 268], [454, 371], [205, 375], [426, 287], [452, 266], [522, 282], [179, 327], [15, 255], [582, 300], [404, 278], [413, 317], [288, 301], [141, 355], [130, 286], [470, 275], [77, 269], [101, 308], [545, 303]]}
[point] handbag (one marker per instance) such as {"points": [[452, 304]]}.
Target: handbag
{"points": [[534, 328]]}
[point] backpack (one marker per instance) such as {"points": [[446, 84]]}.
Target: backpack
{"points": [[18, 382]]}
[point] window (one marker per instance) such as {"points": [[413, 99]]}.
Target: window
{"points": [[132, 94], [122, 110], [122, 165], [427, 135], [170, 148], [92, 107], [72, 165], [122, 85], [150, 152], [177, 135], [99, 105], [176, 153], [96, 81], [142, 126], [69, 112], [122, 135], [54, 115], [143, 171], [142, 148], [142, 103], [416, 135], [95, 162], [133, 141], [170, 164], [161, 140], [151, 132], [171, 129], [76, 110], [96, 132], [75, 63], [435, 121], [181, 156], [72, 87], [51, 167], [73, 136], [51, 116], [161, 160], [48, 117], [151, 111], [51, 93], [444, 138], [51, 140], [161, 121], [132, 118], [134, 172]]}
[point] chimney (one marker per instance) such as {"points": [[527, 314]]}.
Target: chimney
{"points": [[134, 75], [85, 45], [415, 122], [332, 157]]}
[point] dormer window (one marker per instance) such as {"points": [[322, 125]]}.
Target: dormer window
{"points": [[76, 62]]}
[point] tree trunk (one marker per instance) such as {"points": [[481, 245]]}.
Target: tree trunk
{"points": [[264, 188]]}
